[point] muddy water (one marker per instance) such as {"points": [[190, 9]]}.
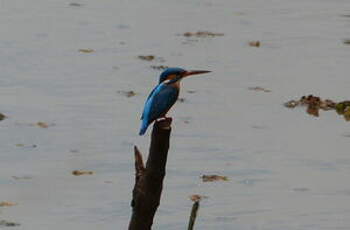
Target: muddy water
{"points": [[286, 170]]}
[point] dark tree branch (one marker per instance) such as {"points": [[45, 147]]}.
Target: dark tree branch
{"points": [[149, 181], [139, 165], [193, 216]]}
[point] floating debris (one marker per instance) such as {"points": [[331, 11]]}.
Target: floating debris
{"points": [[257, 88], [181, 99], [291, 104], [74, 150], [202, 34], [8, 223], [146, 57], [75, 4], [196, 201], [42, 125], [27, 146], [254, 43], [86, 50], [80, 172], [2, 116], [159, 67], [346, 41], [7, 204], [127, 93], [197, 197], [314, 104], [22, 177], [343, 108], [210, 178], [150, 58]]}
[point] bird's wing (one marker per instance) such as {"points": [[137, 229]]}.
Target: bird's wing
{"points": [[161, 100], [149, 96]]}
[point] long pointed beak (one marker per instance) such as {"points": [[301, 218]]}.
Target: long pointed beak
{"points": [[194, 72]]}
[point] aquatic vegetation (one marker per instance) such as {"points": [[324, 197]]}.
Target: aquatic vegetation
{"points": [[159, 67], [129, 93], [7, 204], [254, 43], [346, 41], [81, 172], [150, 58], [258, 88], [202, 34], [146, 57], [75, 4], [42, 124], [314, 104], [86, 50], [2, 116], [343, 108], [211, 178], [8, 223]]}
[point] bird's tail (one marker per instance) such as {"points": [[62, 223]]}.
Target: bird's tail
{"points": [[143, 128]]}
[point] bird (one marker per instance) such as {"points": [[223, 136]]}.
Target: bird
{"points": [[164, 95]]}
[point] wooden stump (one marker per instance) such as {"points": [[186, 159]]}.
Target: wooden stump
{"points": [[149, 180]]}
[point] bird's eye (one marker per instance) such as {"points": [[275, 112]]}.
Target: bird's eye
{"points": [[179, 75]]}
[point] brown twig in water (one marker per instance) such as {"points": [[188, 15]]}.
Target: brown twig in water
{"points": [[149, 180], [193, 216]]}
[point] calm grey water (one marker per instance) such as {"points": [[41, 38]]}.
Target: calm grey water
{"points": [[287, 170]]}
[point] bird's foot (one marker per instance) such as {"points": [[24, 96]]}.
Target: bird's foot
{"points": [[164, 119], [164, 122]]}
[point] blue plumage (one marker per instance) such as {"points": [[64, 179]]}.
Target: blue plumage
{"points": [[164, 95], [161, 99]]}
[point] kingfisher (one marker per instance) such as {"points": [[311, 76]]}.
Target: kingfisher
{"points": [[164, 95]]}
